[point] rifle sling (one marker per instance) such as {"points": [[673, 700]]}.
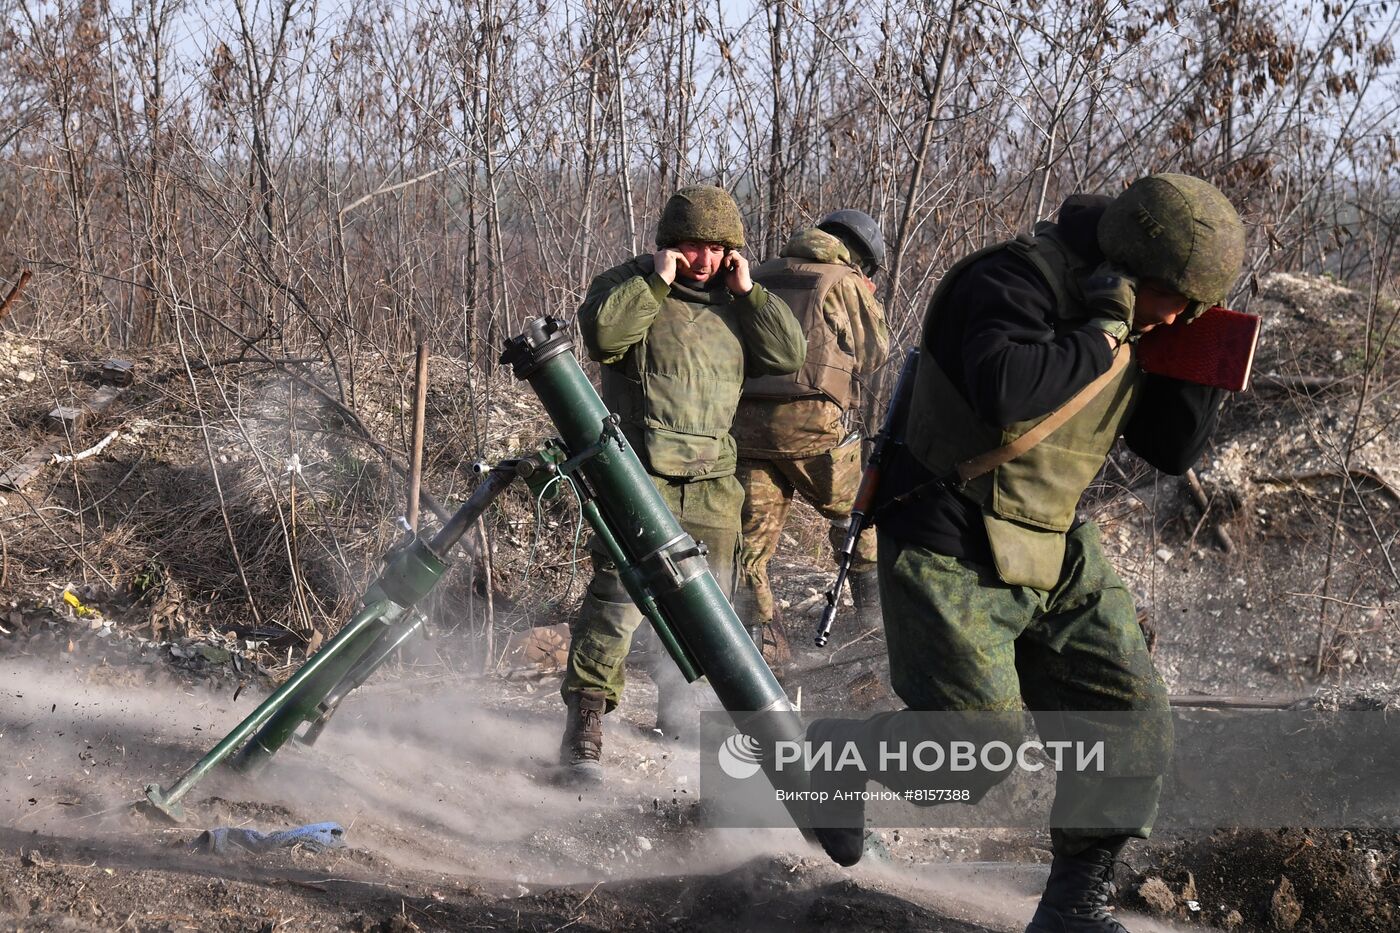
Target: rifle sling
{"points": [[985, 463]]}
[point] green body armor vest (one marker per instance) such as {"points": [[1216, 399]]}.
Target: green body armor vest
{"points": [[830, 368], [1029, 503], [678, 391]]}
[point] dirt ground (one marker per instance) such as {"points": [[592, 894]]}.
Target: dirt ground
{"points": [[451, 822], [127, 649], [443, 785]]}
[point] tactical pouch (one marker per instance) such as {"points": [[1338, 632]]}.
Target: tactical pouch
{"points": [[678, 455], [1025, 556]]}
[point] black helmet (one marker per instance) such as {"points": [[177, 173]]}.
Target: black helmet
{"points": [[861, 234]]}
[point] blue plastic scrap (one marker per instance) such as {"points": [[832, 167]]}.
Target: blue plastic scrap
{"points": [[314, 836]]}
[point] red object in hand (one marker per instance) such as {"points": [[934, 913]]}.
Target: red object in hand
{"points": [[1216, 349]]}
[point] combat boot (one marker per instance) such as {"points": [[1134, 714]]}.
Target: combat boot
{"points": [[865, 593], [581, 748], [1077, 892]]}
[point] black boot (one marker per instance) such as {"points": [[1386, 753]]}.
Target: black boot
{"points": [[581, 748], [1076, 894], [845, 845]]}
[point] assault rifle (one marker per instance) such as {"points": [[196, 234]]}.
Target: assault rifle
{"points": [[895, 414]]}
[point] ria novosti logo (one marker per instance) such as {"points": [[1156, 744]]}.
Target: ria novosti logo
{"points": [[739, 756]]}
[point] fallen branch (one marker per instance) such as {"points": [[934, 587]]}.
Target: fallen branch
{"points": [[859, 638], [842, 663], [1204, 701], [240, 360], [1338, 600], [1294, 383], [309, 885], [1203, 502], [92, 451], [1299, 479]]}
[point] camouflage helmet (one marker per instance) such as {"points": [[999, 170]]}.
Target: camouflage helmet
{"points": [[703, 214], [1176, 229]]}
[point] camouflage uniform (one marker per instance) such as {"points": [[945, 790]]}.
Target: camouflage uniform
{"points": [[795, 434], [993, 593], [960, 639], [674, 358], [601, 636]]}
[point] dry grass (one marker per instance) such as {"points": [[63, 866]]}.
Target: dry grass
{"points": [[234, 497]]}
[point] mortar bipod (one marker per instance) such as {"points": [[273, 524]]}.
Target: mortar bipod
{"points": [[389, 641], [411, 570]]}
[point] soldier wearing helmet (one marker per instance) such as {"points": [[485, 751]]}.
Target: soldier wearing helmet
{"points": [[797, 433], [994, 593], [676, 331]]}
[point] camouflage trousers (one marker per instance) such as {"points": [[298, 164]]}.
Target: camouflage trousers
{"points": [[960, 639], [602, 635], [828, 482]]}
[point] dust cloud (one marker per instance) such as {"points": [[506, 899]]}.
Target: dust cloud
{"points": [[452, 780]]}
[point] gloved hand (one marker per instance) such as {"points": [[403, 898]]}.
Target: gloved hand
{"points": [[1195, 309], [1110, 292]]}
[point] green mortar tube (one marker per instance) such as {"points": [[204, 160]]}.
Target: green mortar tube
{"points": [[335, 653], [690, 606], [410, 573]]}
